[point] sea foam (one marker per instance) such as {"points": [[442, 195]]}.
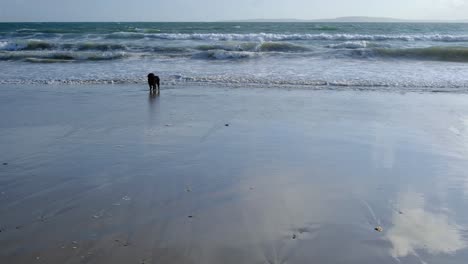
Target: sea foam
{"points": [[286, 37]]}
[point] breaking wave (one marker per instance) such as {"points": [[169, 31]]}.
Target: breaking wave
{"points": [[167, 49], [30, 45], [256, 47], [224, 55], [456, 54], [44, 51], [26, 45], [97, 46], [280, 47], [54, 57], [349, 45], [289, 37]]}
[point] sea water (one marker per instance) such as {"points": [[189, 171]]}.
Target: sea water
{"points": [[369, 56]]}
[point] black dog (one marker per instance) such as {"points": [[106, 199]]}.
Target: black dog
{"points": [[153, 82]]}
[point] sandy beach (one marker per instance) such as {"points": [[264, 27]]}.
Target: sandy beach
{"points": [[111, 174]]}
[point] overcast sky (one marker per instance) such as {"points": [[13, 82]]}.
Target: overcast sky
{"points": [[215, 10]]}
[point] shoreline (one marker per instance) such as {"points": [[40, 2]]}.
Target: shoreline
{"points": [[142, 86]]}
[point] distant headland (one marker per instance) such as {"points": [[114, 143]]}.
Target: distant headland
{"points": [[355, 19]]}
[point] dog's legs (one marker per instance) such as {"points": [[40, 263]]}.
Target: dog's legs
{"points": [[157, 83]]}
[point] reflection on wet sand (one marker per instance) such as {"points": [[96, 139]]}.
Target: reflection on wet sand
{"points": [[415, 228], [296, 178]]}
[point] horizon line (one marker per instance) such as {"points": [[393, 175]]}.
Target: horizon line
{"points": [[343, 19]]}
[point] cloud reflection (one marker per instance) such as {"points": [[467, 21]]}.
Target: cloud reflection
{"points": [[417, 229]]}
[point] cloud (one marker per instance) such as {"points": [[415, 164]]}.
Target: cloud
{"points": [[448, 4], [418, 229], [453, 3]]}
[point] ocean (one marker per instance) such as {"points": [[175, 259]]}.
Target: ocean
{"points": [[363, 56]]}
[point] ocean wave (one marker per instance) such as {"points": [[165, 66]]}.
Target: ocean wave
{"points": [[26, 45], [227, 47], [31, 45], [59, 30], [127, 35], [89, 51], [39, 45], [59, 59], [280, 47], [21, 30], [3, 45], [324, 28], [167, 49], [290, 37], [98, 46], [148, 30], [349, 45], [153, 33], [255, 47], [455, 54], [224, 55], [49, 57]]}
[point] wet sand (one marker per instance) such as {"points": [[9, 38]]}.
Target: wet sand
{"points": [[110, 174]]}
